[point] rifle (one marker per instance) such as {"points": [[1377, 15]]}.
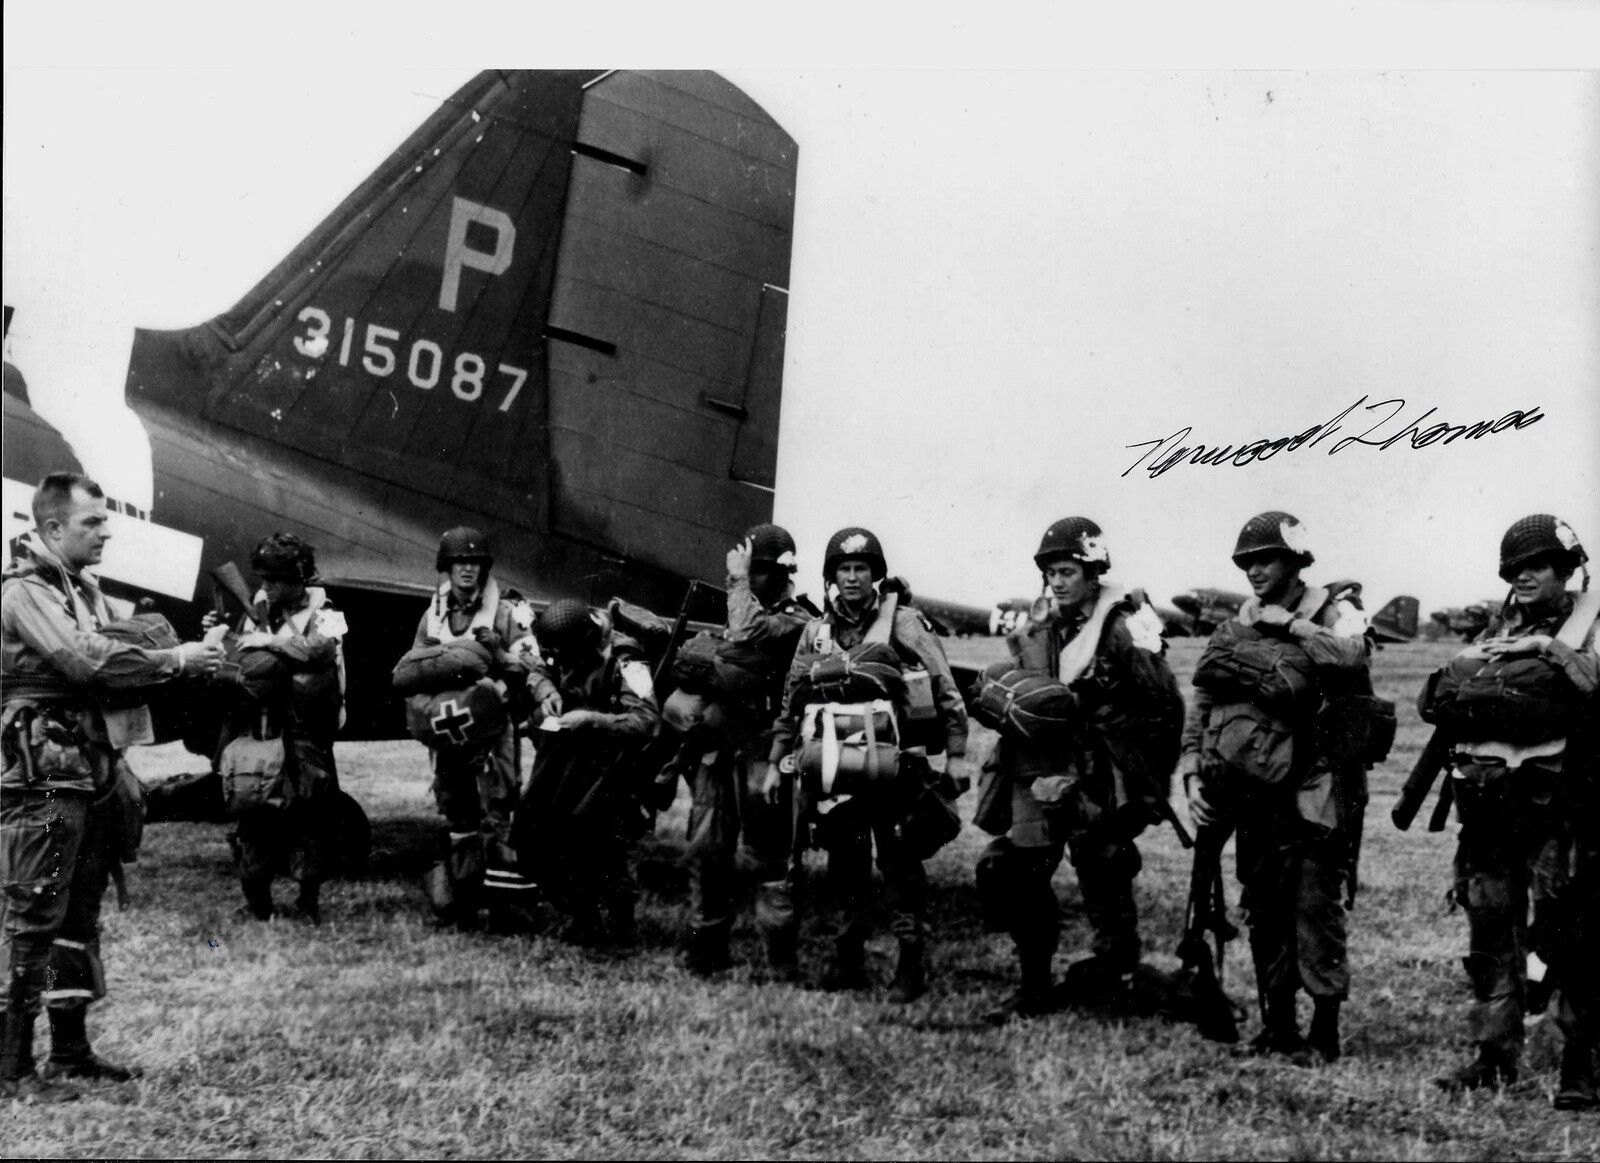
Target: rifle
{"points": [[1435, 758], [675, 639], [1206, 912], [228, 582]]}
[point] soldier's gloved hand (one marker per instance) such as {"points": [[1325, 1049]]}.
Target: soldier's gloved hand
{"points": [[739, 560], [962, 770], [582, 717], [198, 657], [1273, 616], [1201, 810], [209, 619]]}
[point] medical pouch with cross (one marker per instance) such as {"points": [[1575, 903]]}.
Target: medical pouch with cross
{"points": [[468, 717]]}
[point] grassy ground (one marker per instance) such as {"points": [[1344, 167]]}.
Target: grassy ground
{"points": [[380, 1035]]}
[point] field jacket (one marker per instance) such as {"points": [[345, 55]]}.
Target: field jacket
{"points": [[54, 660]]}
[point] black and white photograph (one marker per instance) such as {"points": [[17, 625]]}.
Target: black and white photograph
{"points": [[1004, 584]]}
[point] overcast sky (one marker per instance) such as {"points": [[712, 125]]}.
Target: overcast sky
{"points": [[1001, 280]]}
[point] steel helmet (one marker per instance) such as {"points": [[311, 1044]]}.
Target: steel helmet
{"points": [[283, 555], [1535, 536], [772, 545], [1273, 529], [568, 626], [463, 543], [1077, 538], [854, 543]]}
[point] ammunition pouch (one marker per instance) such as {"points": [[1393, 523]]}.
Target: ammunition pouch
{"points": [[254, 773], [1240, 664], [449, 666], [1515, 698], [919, 715], [1356, 729]]}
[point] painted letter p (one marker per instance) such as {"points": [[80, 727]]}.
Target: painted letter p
{"points": [[457, 254]]}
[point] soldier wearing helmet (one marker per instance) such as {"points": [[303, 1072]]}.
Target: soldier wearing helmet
{"points": [[1092, 792], [765, 619], [858, 593], [1528, 806], [476, 785], [1297, 803], [296, 625], [595, 708]]}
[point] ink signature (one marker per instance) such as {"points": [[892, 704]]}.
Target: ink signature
{"points": [[1168, 452]]}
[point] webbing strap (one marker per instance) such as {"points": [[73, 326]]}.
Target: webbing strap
{"points": [[882, 628], [1576, 628]]}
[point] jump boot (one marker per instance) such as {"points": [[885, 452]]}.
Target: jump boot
{"points": [[1280, 1030], [783, 955], [1577, 1091], [910, 974], [847, 967], [257, 897], [71, 1056], [707, 949], [1493, 1068], [18, 1079], [1035, 996], [1324, 1036]]}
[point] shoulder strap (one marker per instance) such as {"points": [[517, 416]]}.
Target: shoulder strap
{"points": [[1311, 603], [1576, 628], [882, 628]]}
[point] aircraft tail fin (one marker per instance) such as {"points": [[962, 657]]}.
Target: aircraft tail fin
{"points": [[560, 305], [1397, 621]]}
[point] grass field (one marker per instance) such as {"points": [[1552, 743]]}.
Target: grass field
{"points": [[381, 1035]]}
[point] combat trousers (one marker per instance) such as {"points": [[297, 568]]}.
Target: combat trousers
{"points": [[732, 830], [592, 882], [848, 833], [56, 849], [1293, 860], [1014, 884], [476, 789], [293, 839], [1513, 875]]}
